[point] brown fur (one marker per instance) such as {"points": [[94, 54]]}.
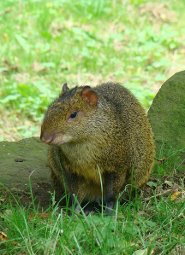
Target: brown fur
{"points": [[110, 141]]}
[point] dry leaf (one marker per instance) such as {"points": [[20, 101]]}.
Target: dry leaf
{"points": [[39, 215], [22, 77], [38, 67], [159, 12], [175, 195], [168, 183], [3, 236]]}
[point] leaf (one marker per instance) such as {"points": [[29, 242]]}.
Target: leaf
{"points": [[38, 67], [10, 98], [23, 43], [3, 236], [3, 69], [152, 184], [2, 200], [175, 195], [39, 215], [168, 183], [161, 161], [141, 252]]}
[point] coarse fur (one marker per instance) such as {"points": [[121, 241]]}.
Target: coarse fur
{"points": [[110, 141]]}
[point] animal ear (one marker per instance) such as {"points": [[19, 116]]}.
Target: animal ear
{"points": [[65, 88], [89, 95]]}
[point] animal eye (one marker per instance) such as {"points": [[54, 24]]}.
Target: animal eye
{"points": [[73, 115]]}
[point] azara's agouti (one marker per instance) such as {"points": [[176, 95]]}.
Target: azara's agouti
{"points": [[100, 141]]}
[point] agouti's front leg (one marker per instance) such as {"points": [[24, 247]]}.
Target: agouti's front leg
{"points": [[109, 197], [113, 182], [76, 191]]}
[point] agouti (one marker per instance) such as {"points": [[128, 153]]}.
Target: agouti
{"points": [[100, 140]]}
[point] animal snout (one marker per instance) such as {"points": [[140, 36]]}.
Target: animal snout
{"points": [[46, 138]]}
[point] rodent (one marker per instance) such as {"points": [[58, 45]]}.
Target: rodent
{"points": [[100, 140]]}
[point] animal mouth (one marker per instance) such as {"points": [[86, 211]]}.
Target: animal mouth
{"points": [[56, 139]]}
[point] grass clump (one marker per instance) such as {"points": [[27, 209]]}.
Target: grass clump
{"points": [[155, 226]]}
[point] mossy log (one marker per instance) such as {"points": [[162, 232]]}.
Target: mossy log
{"points": [[167, 117], [24, 171]]}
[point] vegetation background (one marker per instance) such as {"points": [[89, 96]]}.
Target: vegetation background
{"points": [[138, 43], [43, 44]]}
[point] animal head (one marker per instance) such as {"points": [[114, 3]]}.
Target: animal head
{"points": [[70, 117]]}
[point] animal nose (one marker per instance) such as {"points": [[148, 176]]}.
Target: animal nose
{"points": [[46, 138]]}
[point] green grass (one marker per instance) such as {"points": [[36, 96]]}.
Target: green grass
{"points": [[155, 226], [43, 45]]}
